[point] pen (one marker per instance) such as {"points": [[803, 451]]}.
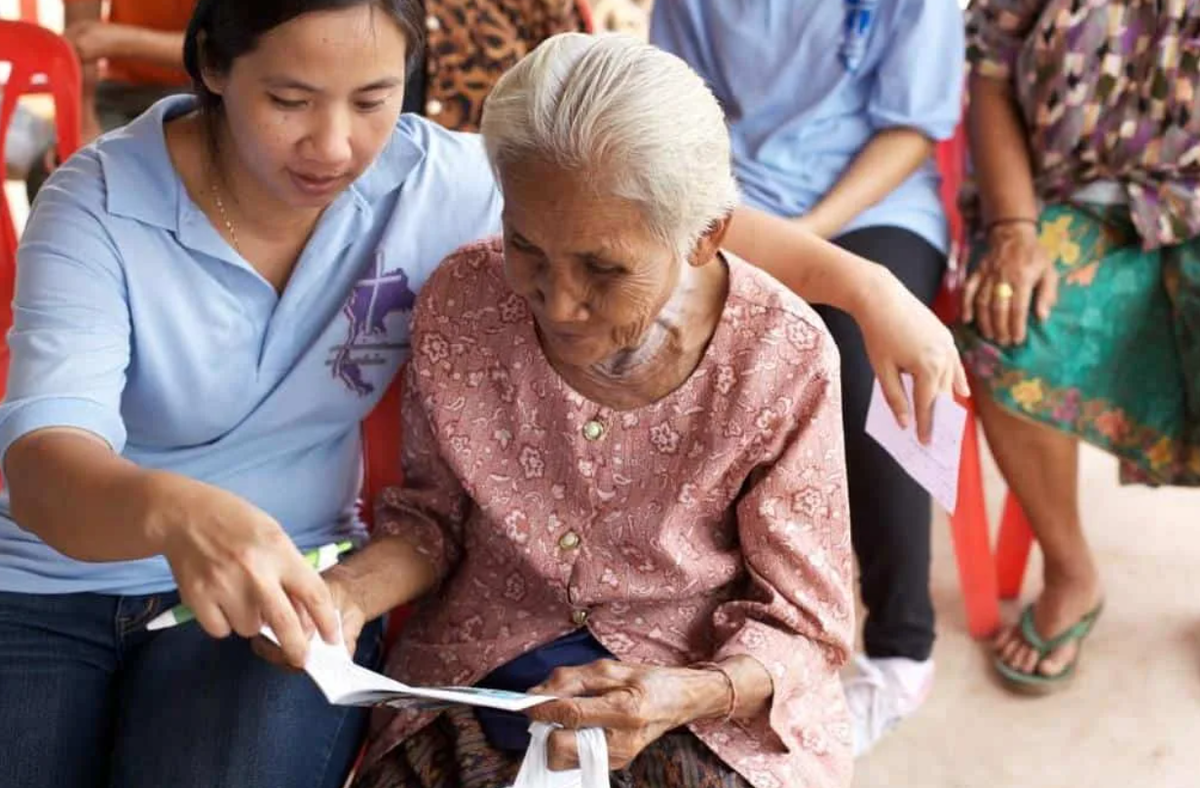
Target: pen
{"points": [[320, 559]]}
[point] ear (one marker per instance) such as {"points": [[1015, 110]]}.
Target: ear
{"points": [[708, 245], [213, 79]]}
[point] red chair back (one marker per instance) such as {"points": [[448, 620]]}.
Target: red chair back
{"points": [[985, 577], [951, 163], [381, 447], [381, 436], [585, 15], [41, 61]]}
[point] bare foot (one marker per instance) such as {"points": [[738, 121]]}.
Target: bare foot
{"points": [[1064, 600]]}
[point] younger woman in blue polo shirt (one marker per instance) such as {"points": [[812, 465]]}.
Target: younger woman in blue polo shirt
{"points": [[208, 303], [834, 107]]}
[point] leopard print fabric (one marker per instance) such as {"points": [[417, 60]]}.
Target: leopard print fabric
{"points": [[472, 42]]}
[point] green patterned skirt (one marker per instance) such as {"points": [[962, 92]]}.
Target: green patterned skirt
{"points": [[1118, 362]]}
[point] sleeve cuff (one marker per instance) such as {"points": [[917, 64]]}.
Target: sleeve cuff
{"points": [[939, 129], [18, 419], [397, 516], [992, 69], [785, 661]]}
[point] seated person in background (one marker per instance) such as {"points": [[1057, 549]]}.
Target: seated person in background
{"points": [[470, 44], [1081, 316], [130, 60], [834, 108], [623, 456]]}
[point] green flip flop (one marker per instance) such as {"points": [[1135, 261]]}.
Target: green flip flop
{"points": [[1035, 683]]}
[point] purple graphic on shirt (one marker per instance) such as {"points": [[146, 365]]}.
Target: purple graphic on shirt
{"points": [[371, 301]]}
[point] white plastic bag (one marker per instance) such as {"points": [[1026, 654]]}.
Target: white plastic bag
{"points": [[593, 761]]}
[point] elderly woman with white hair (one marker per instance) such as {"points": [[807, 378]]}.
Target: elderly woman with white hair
{"points": [[623, 454]]}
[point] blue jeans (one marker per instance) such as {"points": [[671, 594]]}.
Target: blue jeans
{"points": [[89, 698]]}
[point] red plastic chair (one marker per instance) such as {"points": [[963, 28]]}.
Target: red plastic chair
{"points": [[585, 14], [381, 436], [41, 62], [985, 579], [28, 11], [381, 447]]}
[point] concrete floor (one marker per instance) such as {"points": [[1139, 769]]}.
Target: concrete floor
{"points": [[1132, 717]]}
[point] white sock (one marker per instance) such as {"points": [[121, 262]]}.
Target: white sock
{"points": [[913, 676]]}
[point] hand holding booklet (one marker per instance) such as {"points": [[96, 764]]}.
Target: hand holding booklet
{"points": [[345, 683]]}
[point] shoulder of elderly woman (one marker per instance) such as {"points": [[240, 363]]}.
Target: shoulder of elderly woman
{"points": [[470, 277], [794, 326], [469, 274]]}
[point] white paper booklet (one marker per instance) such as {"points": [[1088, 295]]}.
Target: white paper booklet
{"points": [[345, 683], [934, 467]]}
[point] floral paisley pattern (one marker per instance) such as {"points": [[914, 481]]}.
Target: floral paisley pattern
{"points": [[711, 523]]}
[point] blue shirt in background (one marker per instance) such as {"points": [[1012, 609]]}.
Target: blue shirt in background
{"points": [[805, 85], [136, 321]]}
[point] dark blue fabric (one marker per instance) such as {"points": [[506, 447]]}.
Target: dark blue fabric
{"points": [[509, 731], [90, 699]]}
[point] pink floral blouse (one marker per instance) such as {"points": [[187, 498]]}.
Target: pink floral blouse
{"points": [[711, 523]]}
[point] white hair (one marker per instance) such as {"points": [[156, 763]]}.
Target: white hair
{"points": [[635, 119]]}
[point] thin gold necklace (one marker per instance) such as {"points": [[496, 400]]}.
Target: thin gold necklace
{"points": [[225, 217]]}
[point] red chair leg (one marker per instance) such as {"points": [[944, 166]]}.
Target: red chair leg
{"points": [[972, 543], [1012, 548]]}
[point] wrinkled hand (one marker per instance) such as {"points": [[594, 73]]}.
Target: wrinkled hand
{"points": [[237, 569], [352, 618], [94, 39], [634, 704], [903, 335], [1015, 258]]}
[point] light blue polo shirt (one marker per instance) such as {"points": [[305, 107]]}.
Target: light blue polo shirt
{"points": [[136, 321], [806, 83]]}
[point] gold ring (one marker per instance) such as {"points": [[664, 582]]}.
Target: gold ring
{"points": [[1002, 291]]}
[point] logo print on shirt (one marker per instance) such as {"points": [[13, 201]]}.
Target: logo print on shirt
{"points": [[370, 302]]}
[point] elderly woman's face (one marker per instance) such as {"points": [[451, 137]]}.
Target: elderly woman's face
{"points": [[594, 276]]}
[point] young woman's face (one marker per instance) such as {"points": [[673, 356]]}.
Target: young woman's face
{"points": [[315, 102]]}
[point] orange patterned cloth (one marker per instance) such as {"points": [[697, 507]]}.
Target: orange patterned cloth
{"points": [[709, 524], [165, 15], [471, 43]]}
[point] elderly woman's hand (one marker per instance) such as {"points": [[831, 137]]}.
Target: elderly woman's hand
{"points": [[635, 704], [998, 295], [903, 336]]}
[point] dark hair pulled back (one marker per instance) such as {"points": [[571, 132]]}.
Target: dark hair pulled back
{"points": [[221, 31]]}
